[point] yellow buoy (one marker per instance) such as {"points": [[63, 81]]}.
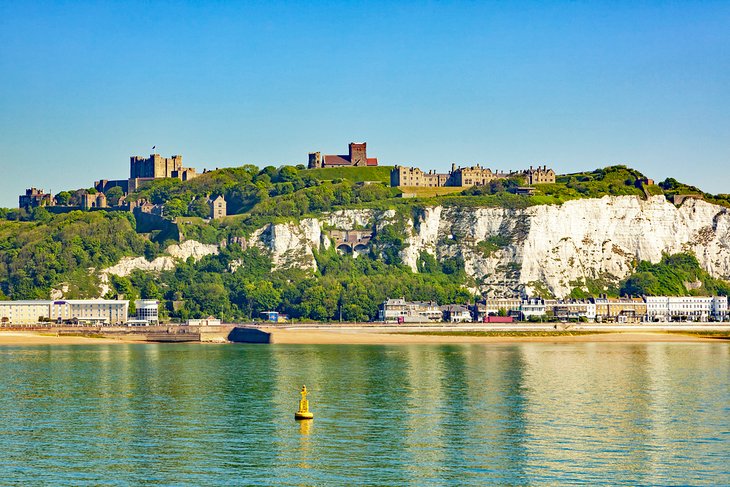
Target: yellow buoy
{"points": [[303, 412]]}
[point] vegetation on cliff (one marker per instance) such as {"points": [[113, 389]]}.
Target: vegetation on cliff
{"points": [[38, 256], [239, 284], [674, 275]]}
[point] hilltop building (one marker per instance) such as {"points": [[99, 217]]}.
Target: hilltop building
{"points": [[357, 157], [539, 175], [89, 201], [155, 166], [142, 169], [218, 208], [105, 185], [34, 198], [413, 176], [474, 176], [464, 177]]}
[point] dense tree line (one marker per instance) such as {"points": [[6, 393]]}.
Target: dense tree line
{"points": [[674, 275], [36, 256], [239, 284]]}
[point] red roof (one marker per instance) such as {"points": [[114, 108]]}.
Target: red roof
{"points": [[337, 160], [332, 160]]}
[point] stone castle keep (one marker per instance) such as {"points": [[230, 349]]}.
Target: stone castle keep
{"points": [[464, 177], [155, 167], [143, 169]]}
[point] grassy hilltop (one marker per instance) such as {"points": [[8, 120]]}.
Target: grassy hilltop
{"points": [[40, 251]]}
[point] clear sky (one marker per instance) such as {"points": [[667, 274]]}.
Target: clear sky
{"points": [[576, 85]]}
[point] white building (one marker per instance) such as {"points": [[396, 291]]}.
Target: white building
{"points": [[209, 321], [456, 313], [91, 311], [533, 307], [409, 311], [147, 311], [24, 312], [686, 308]]}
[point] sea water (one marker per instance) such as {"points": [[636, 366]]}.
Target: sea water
{"points": [[521, 414]]}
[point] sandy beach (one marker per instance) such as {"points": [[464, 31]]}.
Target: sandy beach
{"points": [[366, 336], [39, 338], [371, 337]]}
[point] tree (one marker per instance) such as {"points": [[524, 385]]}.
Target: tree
{"points": [[262, 296], [113, 194], [199, 207], [174, 208], [40, 214], [63, 198], [427, 263]]}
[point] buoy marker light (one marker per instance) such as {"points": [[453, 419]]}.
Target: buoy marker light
{"points": [[303, 412]]}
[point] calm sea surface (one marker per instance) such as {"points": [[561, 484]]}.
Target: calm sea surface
{"points": [[528, 414]]}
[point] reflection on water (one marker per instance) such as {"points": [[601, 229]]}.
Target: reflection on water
{"points": [[616, 414]]}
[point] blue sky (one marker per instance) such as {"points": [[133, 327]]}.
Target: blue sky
{"points": [[576, 85]]}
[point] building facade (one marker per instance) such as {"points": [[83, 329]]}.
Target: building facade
{"points": [[77, 311], [218, 208], [492, 306], [402, 311], [147, 311], [89, 201], [539, 175], [414, 177], [456, 313], [155, 166], [34, 198], [687, 308], [575, 309], [620, 310], [356, 157], [533, 307], [464, 177]]}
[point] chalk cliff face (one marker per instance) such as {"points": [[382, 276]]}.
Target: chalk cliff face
{"points": [[555, 247]]}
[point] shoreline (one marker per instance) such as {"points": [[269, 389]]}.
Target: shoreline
{"points": [[50, 338], [354, 336], [372, 336]]}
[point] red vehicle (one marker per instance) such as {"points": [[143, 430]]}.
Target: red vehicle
{"points": [[498, 319]]}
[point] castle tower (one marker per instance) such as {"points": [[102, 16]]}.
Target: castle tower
{"points": [[315, 160], [358, 154]]}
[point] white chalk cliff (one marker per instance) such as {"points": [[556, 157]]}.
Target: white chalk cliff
{"points": [[557, 246]]}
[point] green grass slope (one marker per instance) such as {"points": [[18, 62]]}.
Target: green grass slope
{"points": [[354, 174]]}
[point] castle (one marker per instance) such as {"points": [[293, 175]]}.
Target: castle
{"points": [[357, 157], [34, 198], [155, 166], [464, 177]]}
